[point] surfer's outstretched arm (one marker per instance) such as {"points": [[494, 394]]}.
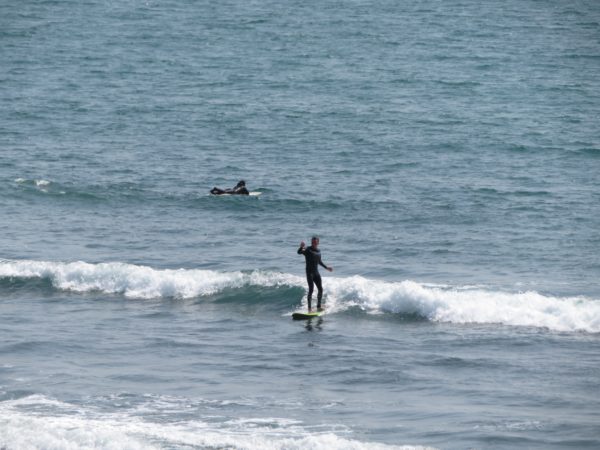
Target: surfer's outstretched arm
{"points": [[330, 269]]}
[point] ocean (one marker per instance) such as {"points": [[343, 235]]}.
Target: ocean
{"points": [[447, 154]]}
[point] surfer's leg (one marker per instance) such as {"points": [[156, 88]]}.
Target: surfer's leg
{"points": [[311, 287], [317, 279]]}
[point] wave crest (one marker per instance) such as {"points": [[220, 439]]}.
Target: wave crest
{"points": [[469, 304], [135, 281], [461, 305]]}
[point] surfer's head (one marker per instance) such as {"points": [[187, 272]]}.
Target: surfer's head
{"points": [[314, 241], [241, 183]]}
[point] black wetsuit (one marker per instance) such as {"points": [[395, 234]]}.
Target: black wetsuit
{"points": [[313, 260], [239, 190]]}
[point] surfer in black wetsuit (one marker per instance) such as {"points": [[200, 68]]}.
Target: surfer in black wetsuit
{"points": [[239, 189], [313, 260]]}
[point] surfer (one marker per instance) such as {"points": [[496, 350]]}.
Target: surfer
{"points": [[239, 189], [313, 260]]}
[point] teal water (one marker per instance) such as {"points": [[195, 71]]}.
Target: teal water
{"points": [[447, 153]]}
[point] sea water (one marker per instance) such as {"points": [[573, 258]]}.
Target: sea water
{"points": [[447, 153]]}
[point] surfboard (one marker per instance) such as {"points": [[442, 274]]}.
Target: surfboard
{"points": [[305, 316]]}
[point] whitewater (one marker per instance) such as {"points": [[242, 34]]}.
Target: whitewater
{"points": [[460, 304]]}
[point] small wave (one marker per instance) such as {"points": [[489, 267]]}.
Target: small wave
{"points": [[468, 305], [523, 193], [452, 304], [37, 183], [36, 421], [593, 152], [123, 190], [492, 192], [139, 281]]}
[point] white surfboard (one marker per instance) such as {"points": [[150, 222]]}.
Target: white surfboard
{"points": [[251, 194]]}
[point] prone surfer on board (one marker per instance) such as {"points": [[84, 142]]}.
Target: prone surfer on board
{"points": [[239, 189], [313, 260]]}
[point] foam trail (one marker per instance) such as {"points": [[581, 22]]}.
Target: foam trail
{"points": [[468, 305], [38, 422], [139, 281]]}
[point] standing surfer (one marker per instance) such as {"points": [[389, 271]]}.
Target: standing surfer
{"points": [[313, 260]]}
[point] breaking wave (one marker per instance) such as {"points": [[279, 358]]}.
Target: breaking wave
{"points": [[460, 305]]}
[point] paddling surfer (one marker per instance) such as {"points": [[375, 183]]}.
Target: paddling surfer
{"points": [[239, 189], [313, 261]]}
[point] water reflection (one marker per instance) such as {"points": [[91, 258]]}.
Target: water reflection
{"points": [[314, 324]]}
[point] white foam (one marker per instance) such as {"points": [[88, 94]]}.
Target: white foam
{"points": [[37, 422], [467, 305], [38, 183], [139, 281]]}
